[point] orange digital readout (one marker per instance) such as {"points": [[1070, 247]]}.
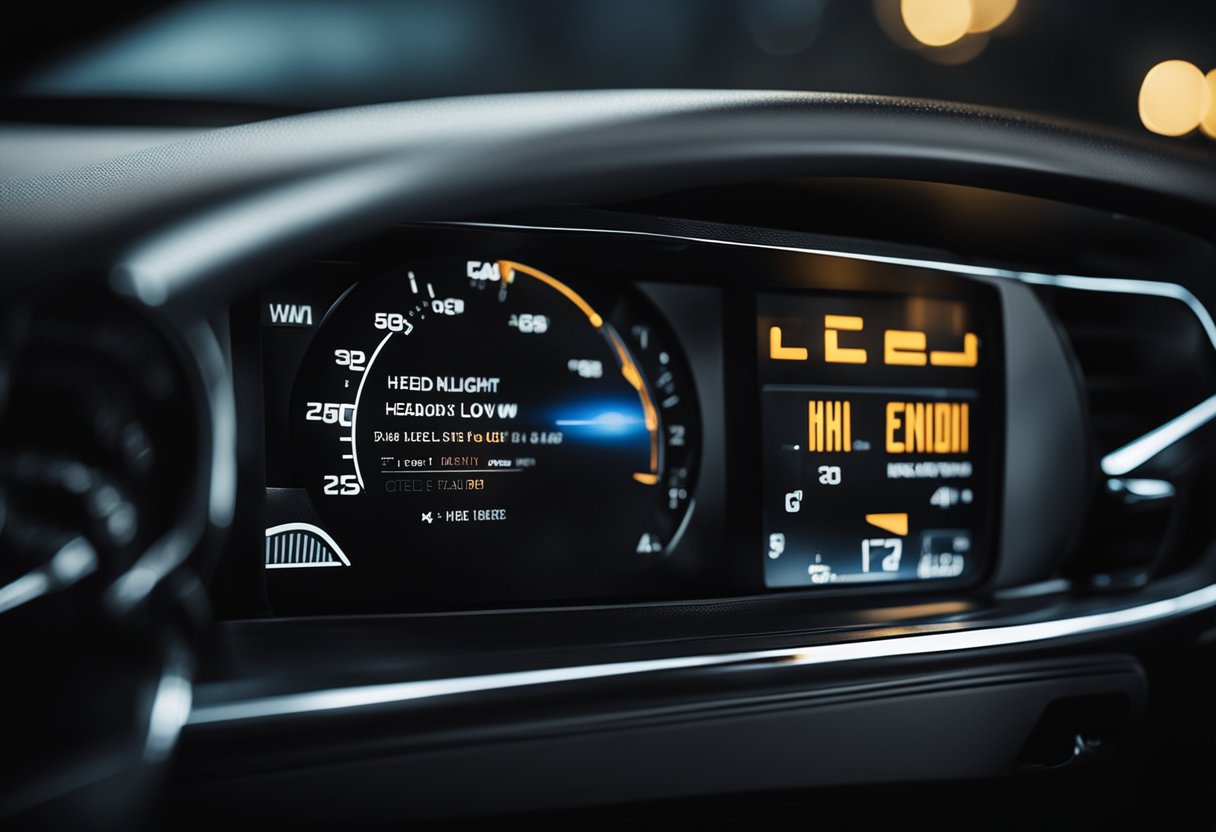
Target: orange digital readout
{"points": [[900, 347], [928, 427]]}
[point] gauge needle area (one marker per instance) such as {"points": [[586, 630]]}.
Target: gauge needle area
{"points": [[629, 369]]}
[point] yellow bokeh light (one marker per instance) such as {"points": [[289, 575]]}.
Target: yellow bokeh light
{"points": [[959, 52], [936, 22], [891, 21], [1172, 98], [955, 31], [986, 15], [1207, 122]]}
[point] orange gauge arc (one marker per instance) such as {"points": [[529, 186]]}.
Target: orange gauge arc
{"points": [[629, 369]]}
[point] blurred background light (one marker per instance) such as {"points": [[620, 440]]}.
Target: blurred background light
{"points": [[959, 52], [947, 32], [1173, 98], [890, 20], [986, 15], [936, 22], [1208, 123]]}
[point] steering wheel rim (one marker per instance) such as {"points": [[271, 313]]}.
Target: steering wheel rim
{"points": [[191, 221]]}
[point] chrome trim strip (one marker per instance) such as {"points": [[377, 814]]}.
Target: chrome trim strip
{"points": [[1128, 286], [957, 268], [339, 699], [1140, 490], [1139, 451], [1117, 463]]}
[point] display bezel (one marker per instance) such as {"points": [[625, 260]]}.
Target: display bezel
{"points": [[730, 519]]}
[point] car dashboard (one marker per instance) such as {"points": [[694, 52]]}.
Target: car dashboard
{"points": [[699, 476]]}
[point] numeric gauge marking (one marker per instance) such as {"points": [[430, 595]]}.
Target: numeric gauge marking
{"points": [[501, 403]]}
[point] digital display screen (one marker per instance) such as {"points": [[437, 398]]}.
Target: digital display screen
{"points": [[466, 429], [878, 428]]}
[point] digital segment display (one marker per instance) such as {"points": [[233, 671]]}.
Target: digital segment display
{"points": [[877, 429]]}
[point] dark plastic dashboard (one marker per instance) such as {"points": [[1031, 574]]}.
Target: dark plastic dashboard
{"points": [[990, 331], [656, 654]]}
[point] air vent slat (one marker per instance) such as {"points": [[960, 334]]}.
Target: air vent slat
{"points": [[1144, 359]]}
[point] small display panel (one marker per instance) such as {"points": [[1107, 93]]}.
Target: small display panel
{"points": [[878, 427]]}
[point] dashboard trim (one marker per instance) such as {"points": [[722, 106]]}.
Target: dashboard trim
{"points": [[906, 641], [912, 641], [1139, 451]]}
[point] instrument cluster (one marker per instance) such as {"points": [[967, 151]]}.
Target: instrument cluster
{"points": [[467, 417]]}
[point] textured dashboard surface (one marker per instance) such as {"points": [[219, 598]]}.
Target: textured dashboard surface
{"points": [[428, 159]]}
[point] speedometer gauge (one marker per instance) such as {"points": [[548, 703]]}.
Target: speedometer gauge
{"points": [[477, 428]]}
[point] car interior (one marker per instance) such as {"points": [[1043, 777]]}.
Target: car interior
{"points": [[701, 413]]}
